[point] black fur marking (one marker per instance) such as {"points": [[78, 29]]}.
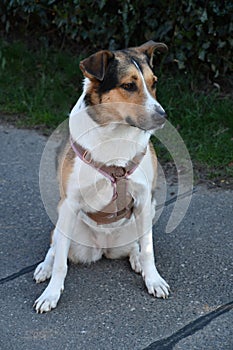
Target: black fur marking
{"points": [[136, 60], [87, 100], [130, 121], [111, 79]]}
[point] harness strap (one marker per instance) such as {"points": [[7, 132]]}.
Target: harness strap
{"points": [[121, 205], [102, 217], [112, 172]]}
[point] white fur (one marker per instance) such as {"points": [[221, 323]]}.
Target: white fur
{"points": [[80, 238]]}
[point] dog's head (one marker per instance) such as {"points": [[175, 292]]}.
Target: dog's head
{"points": [[124, 84]]}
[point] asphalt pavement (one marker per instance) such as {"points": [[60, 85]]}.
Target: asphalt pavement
{"points": [[105, 305]]}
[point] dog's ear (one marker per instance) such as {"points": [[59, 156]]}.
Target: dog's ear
{"points": [[150, 46], [95, 66]]}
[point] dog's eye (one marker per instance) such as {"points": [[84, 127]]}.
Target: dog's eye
{"points": [[129, 87]]}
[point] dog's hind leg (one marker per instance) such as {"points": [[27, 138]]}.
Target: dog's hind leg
{"points": [[134, 258], [44, 269]]}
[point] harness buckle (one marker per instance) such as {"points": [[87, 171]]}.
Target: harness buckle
{"points": [[88, 161], [119, 173]]}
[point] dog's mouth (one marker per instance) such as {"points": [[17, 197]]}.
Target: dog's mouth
{"points": [[147, 124], [136, 116]]}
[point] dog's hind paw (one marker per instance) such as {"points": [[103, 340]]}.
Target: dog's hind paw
{"points": [[135, 263], [42, 272]]}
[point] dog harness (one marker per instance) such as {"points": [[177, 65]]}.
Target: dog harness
{"points": [[122, 202]]}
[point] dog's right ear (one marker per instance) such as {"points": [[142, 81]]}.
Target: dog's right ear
{"points": [[95, 66], [149, 47]]}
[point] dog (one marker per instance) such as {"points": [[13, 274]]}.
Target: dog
{"points": [[107, 172]]}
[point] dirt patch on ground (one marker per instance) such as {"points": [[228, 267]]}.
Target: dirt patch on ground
{"points": [[212, 178], [19, 121]]}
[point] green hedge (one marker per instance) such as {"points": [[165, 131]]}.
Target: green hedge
{"points": [[199, 33]]}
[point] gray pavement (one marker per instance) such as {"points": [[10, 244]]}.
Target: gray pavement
{"points": [[105, 305]]}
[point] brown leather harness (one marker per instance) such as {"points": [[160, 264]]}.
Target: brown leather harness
{"points": [[122, 203]]}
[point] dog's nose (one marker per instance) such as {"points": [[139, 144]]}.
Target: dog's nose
{"points": [[160, 111]]}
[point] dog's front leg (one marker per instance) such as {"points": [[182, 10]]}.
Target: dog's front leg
{"points": [[64, 228], [155, 284]]}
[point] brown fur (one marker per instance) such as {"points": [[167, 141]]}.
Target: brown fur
{"points": [[102, 104], [120, 71], [154, 162], [66, 164], [125, 77], [127, 73]]}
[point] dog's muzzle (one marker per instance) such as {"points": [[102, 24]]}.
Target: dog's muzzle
{"points": [[160, 112]]}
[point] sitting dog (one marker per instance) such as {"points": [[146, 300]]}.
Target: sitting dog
{"points": [[107, 172]]}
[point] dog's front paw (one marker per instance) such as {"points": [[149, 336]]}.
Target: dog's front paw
{"points": [[48, 300], [42, 272], [157, 286]]}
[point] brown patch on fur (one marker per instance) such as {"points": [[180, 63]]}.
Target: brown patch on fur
{"points": [[150, 80], [66, 164], [154, 163], [51, 237], [92, 97], [121, 104]]}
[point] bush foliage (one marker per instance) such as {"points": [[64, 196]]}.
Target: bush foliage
{"points": [[198, 33]]}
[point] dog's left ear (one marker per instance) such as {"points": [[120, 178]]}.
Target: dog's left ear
{"points": [[150, 46], [95, 66]]}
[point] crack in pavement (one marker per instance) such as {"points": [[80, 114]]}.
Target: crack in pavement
{"points": [[189, 329], [169, 342]]}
